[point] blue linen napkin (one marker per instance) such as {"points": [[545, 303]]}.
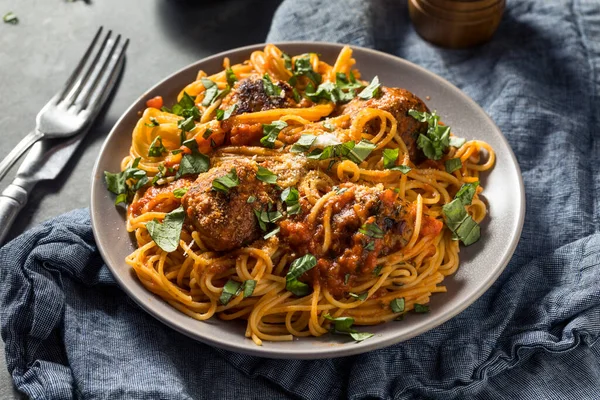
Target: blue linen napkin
{"points": [[70, 332]]}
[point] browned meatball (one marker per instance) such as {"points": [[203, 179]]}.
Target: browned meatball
{"points": [[250, 96], [397, 102], [227, 221]]}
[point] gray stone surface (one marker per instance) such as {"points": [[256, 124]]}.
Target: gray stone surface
{"points": [[37, 55]]}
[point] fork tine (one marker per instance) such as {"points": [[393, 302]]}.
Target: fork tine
{"points": [[82, 81], [107, 81], [69, 84], [97, 74]]}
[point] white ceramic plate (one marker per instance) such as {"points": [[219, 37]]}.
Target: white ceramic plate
{"points": [[481, 263]]}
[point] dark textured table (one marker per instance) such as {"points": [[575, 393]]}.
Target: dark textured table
{"points": [[38, 53]]}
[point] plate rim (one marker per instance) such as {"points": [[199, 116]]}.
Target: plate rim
{"points": [[319, 352]]}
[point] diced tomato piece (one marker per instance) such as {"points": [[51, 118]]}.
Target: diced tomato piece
{"points": [[155, 102]]}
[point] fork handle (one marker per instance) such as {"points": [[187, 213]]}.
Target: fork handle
{"points": [[12, 200], [18, 151]]}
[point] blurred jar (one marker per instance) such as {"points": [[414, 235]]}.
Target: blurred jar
{"points": [[456, 23]]}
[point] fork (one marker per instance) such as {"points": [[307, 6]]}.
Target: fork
{"points": [[77, 104]]}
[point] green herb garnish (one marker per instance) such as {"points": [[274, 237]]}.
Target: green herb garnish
{"points": [[10, 18], [437, 138], [271, 132], [458, 220], [180, 192], [303, 144], [231, 289], [453, 164], [389, 161], [291, 197], [297, 268], [225, 114], [372, 90], [397, 305], [248, 287], [420, 308], [372, 230], [265, 175], [230, 76], [361, 297], [344, 325], [153, 123], [226, 182], [166, 234], [156, 148]]}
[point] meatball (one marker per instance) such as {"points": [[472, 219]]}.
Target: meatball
{"points": [[397, 102], [250, 96], [226, 221]]}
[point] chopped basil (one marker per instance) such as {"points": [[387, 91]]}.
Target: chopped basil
{"points": [[136, 162], [453, 164], [211, 92], [330, 92], [192, 164], [161, 174], [166, 234], [458, 220], [10, 18], [226, 182], [297, 268], [302, 67], [191, 144], [185, 125], [372, 230], [287, 61], [466, 192], [265, 175], [420, 308], [270, 88], [344, 325], [346, 279], [265, 217], [361, 297], [153, 123], [225, 114], [270, 132], [370, 246], [371, 90], [437, 138], [207, 133], [389, 161], [349, 150], [377, 270], [176, 151], [457, 142], [251, 199], [185, 108], [360, 151], [297, 97], [272, 233], [119, 185], [230, 76], [342, 81], [180, 192], [303, 144], [397, 305], [156, 148], [231, 289], [248, 287], [291, 197]]}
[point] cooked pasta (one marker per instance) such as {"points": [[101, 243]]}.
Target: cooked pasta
{"points": [[288, 193]]}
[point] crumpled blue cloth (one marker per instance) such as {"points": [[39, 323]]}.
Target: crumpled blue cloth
{"points": [[70, 332]]}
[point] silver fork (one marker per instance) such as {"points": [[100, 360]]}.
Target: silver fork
{"points": [[80, 100]]}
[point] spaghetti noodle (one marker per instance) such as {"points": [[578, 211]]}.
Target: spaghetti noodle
{"points": [[286, 192]]}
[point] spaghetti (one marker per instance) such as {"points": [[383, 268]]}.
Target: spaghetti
{"points": [[286, 192]]}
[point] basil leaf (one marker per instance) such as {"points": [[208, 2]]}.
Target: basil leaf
{"points": [[361, 297], [230, 290], [466, 192], [437, 138], [272, 233], [185, 108], [115, 183], [207, 133], [166, 234], [329, 92], [287, 61], [187, 124], [225, 114], [291, 197], [192, 164], [161, 173], [153, 123], [453, 164], [122, 198], [303, 144], [372, 230], [457, 142], [397, 305], [265, 175], [420, 308], [371, 90], [226, 182], [261, 223], [377, 270], [389, 161], [342, 81], [298, 267], [251, 199], [346, 279], [10, 18], [360, 151], [297, 97], [370, 246], [180, 192], [248, 287], [360, 336], [211, 92], [270, 88], [344, 325], [176, 151], [302, 67], [271, 132], [156, 148], [230, 76]]}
